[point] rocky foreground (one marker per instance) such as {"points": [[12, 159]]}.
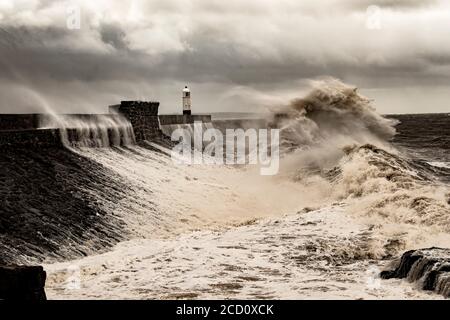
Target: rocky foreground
{"points": [[22, 283], [429, 267]]}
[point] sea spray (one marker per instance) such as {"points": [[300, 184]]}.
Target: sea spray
{"points": [[91, 131], [334, 114], [333, 139]]}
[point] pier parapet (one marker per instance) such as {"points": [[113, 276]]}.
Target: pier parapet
{"points": [[46, 130], [169, 119]]}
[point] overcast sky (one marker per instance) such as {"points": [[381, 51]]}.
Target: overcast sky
{"points": [[236, 55]]}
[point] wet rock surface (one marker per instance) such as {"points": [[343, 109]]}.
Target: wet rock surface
{"points": [[429, 267], [22, 283], [48, 207]]}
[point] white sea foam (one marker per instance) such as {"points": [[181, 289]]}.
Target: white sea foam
{"points": [[440, 164], [92, 131], [322, 254]]}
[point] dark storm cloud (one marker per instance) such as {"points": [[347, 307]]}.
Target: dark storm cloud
{"points": [[258, 44], [436, 59], [24, 54], [395, 4], [113, 35]]}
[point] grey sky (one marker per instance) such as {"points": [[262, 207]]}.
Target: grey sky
{"points": [[236, 55]]}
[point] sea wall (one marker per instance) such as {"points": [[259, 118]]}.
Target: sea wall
{"points": [[14, 122], [52, 137], [245, 124], [43, 130], [19, 121], [72, 120], [40, 138], [170, 123], [169, 119]]}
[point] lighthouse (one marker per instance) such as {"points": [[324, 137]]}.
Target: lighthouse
{"points": [[186, 101]]}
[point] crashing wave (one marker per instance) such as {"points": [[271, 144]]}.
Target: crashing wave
{"points": [[335, 135], [335, 114]]}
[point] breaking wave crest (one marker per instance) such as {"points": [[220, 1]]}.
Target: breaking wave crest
{"points": [[334, 139], [393, 187], [332, 113]]}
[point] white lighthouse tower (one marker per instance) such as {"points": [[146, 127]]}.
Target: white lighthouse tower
{"points": [[186, 101]]}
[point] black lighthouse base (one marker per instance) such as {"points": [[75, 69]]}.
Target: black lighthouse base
{"points": [[188, 112]]}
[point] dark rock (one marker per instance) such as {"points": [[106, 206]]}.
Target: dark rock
{"points": [[22, 283], [429, 267]]}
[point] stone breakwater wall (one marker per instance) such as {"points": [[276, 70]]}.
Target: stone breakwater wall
{"points": [[10, 122], [43, 130], [169, 119], [46, 121], [39, 138], [244, 124]]}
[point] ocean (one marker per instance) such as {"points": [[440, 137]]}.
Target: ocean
{"points": [[425, 137]]}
